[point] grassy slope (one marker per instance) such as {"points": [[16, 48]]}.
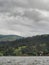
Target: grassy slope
{"points": [[9, 37]]}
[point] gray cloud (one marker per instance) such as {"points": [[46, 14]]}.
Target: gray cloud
{"points": [[24, 17], [8, 5], [22, 26]]}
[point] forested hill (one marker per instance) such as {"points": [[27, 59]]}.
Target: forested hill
{"points": [[30, 46]]}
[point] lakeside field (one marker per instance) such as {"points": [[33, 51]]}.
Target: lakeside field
{"points": [[36, 60]]}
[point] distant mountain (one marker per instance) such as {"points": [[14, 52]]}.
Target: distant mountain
{"points": [[9, 37]]}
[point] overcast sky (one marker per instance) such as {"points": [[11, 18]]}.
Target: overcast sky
{"points": [[24, 17]]}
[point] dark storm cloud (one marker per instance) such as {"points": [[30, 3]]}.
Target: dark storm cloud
{"points": [[33, 15]]}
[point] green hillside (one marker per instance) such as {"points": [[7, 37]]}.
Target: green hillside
{"points": [[9, 37]]}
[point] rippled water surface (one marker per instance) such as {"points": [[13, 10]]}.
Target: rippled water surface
{"points": [[24, 60]]}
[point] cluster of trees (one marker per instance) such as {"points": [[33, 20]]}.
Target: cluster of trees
{"points": [[30, 46]]}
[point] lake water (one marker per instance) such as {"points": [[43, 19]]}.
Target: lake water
{"points": [[24, 60]]}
